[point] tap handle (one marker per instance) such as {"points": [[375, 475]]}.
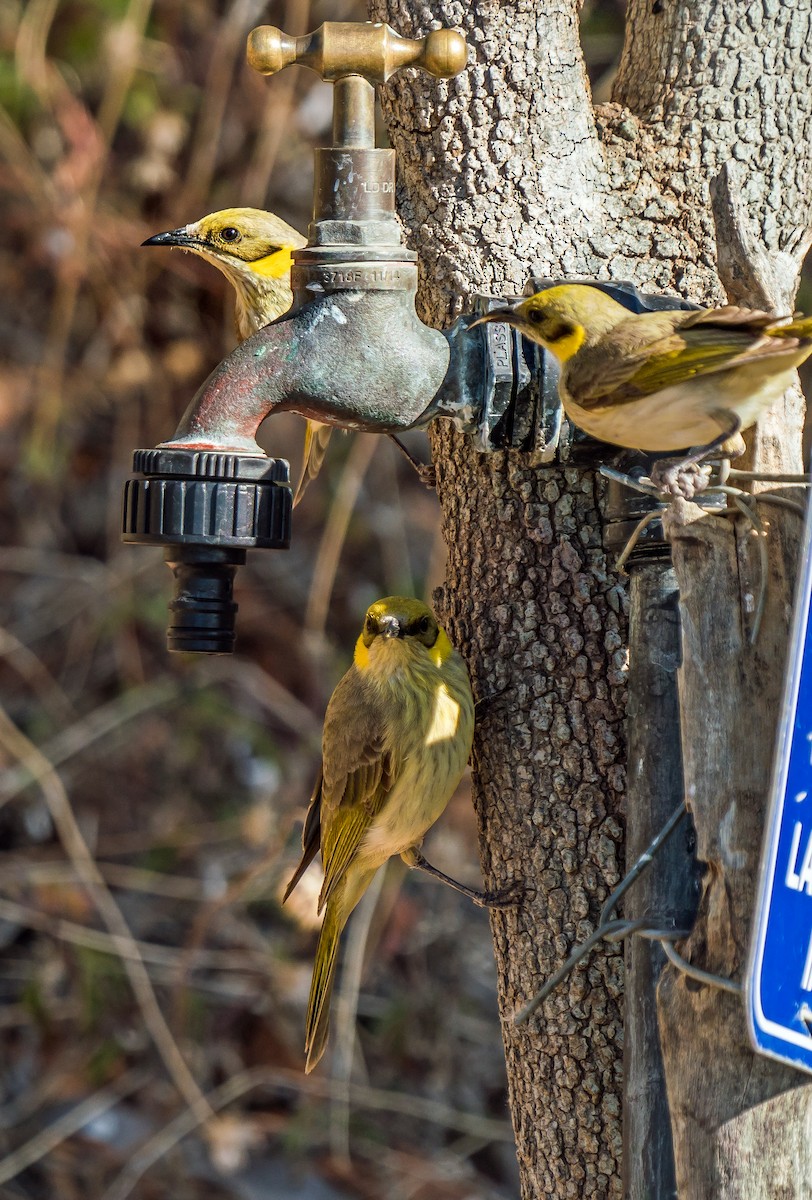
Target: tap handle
{"points": [[374, 51]]}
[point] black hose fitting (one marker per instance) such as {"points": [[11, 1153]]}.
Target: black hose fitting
{"points": [[206, 509]]}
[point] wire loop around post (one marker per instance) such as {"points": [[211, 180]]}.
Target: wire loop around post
{"points": [[615, 929]]}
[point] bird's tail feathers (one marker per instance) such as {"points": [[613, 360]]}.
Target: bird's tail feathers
{"points": [[317, 1025], [306, 860], [798, 327], [317, 437], [311, 835], [339, 907]]}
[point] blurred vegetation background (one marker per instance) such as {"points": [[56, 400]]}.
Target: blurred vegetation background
{"points": [[149, 804]]}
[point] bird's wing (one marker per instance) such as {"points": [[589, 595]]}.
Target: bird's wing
{"points": [[647, 356], [317, 437], [360, 768], [311, 835]]}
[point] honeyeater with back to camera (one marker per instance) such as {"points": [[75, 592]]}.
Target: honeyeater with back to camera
{"points": [[397, 735], [253, 249], [661, 381]]}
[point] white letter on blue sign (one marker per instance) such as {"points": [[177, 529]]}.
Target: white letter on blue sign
{"points": [[806, 980], [799, 881]]}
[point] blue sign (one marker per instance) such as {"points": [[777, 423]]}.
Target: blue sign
{"points": [[778, 985]]}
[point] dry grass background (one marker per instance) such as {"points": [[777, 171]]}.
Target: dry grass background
{"points": [[152, 990]]}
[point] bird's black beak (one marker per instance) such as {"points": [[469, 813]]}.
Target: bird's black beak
{"points": [[497, 314], [173, 237], [389, 627]]}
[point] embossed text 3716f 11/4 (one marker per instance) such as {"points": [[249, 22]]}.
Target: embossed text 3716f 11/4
{"points": [[362, 277]]}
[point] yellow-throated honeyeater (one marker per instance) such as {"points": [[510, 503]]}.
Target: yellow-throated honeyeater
{"points": [[397, 735], [253, 250], [661, 381]]}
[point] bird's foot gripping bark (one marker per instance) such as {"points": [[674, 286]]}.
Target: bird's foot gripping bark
{"points": [[507, 897], [426, 472]]}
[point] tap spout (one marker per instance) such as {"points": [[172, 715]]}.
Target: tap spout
{"points": [[356, 359]]}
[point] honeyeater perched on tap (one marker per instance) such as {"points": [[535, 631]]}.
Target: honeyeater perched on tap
{"points": [[661, 381], [397, 735], [253, 250]]}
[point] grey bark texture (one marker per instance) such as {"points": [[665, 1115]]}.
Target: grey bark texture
{"points": [[508, 171]]}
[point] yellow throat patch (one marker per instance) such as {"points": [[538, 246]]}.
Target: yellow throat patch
{"points": [[274, 266], [441, 650], [564, 347]]}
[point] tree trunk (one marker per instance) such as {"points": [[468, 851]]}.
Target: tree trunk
{"points": [[507, 172]]}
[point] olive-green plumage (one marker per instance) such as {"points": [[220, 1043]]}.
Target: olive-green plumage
{"points": [[661, 381], [397, 735], [252, 248]]}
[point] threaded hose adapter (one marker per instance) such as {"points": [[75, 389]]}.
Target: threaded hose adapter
{"points": [[206, 509]]}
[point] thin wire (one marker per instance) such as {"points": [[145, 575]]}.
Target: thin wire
{"points": [[766, 477], [614, 931], [634, 537], [636, 485], [764, 563], [643, 862], [782, 501], [563, 971], [719, 981], [648, 489]]}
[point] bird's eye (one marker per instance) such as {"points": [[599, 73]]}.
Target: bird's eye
{"points": [[229, 234], [535, 316], [423, 624]]}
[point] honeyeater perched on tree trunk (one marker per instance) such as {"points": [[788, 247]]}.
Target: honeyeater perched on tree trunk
{"points": [[397, 735]]}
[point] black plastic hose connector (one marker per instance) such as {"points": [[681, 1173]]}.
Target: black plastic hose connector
{"points": [[206, 509], [202, 611]]}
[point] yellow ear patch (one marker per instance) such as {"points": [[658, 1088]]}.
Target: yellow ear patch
{"points": [[276, 265], [361, 656], [564, 347], [441, 649]]}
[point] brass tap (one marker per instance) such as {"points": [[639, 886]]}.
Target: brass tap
{"points": [[354, 238], [351, 350]]}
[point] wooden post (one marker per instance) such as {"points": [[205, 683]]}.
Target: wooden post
{"points": [[742, 1124], [669, 887]]}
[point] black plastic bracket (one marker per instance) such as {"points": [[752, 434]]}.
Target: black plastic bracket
{"points": [[520, 407]]}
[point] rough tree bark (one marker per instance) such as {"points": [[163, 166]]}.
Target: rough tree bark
{"points": [[507, 172]]}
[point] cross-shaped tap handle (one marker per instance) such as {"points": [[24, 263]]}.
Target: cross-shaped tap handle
{"points": [[374, 51]]}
